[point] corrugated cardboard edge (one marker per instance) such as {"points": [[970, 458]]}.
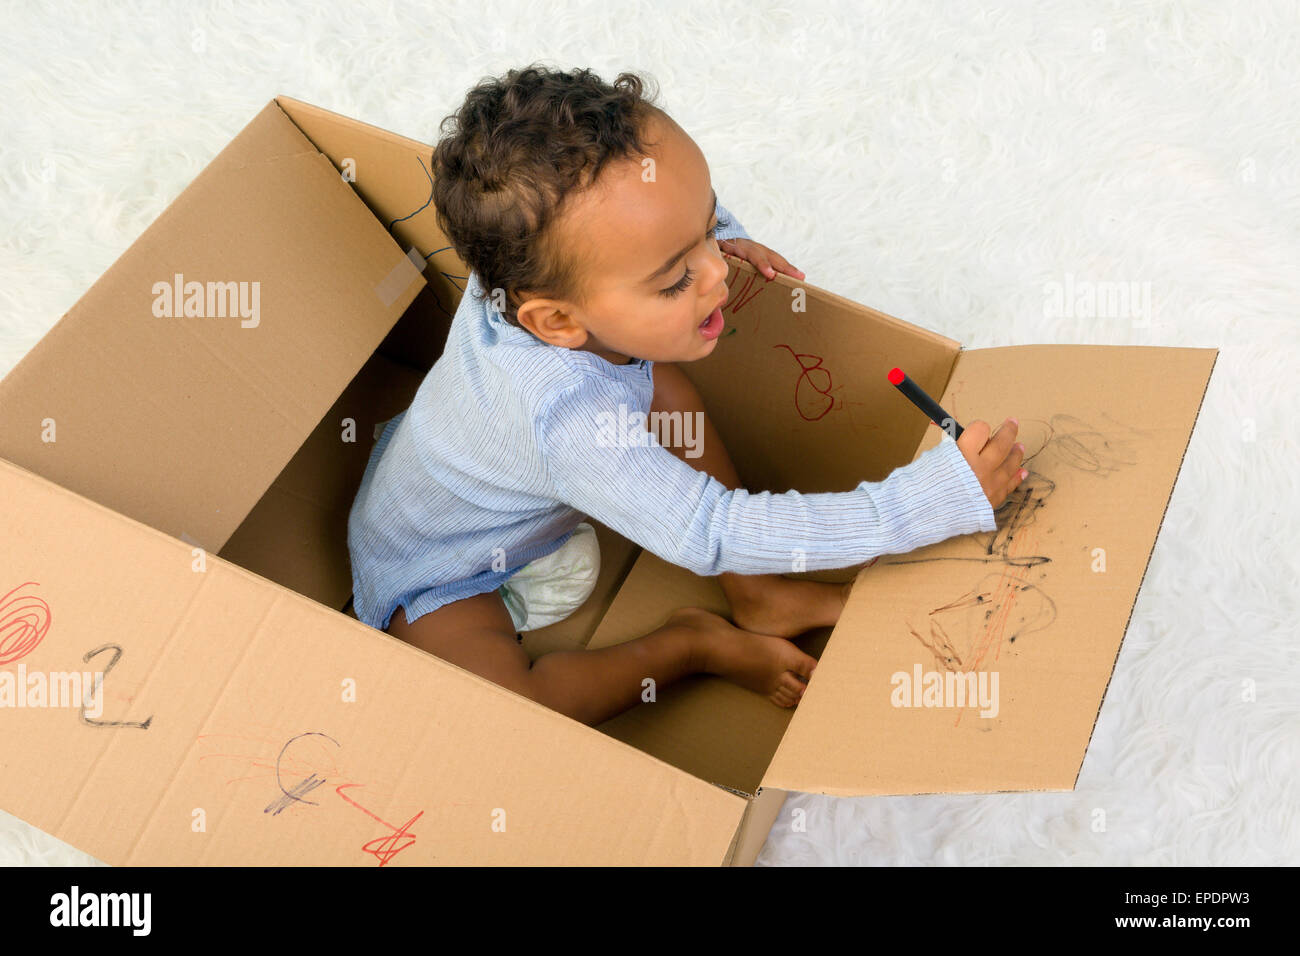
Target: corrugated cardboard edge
{"points": [[757, 823], [883, 317], [290, 105]]}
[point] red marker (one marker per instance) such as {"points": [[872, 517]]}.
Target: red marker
{"points": [[924, 402]]}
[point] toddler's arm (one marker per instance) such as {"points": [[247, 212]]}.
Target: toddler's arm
{"points": [[655, 499], [734, 230]]}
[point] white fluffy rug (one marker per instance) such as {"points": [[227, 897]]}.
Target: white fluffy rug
{"points": [[938, 161]]}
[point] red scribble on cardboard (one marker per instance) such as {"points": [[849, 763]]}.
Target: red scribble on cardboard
{"points": [[811, 400], [748, 291], [24, 622], [382, 848]]}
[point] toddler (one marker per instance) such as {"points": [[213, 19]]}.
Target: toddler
{"points": [[594, 240]]}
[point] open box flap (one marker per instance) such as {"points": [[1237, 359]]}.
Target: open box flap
{"points": [[390, 172], [243, 724], [183, 421], [1043, 602]]}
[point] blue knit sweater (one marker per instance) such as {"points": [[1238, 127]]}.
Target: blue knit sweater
{"points": [[507, 446]]}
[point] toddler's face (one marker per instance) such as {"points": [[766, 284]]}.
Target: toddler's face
{"points": [[655, 271]]}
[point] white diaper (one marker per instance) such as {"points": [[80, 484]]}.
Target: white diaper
{"points": [[553, 587]]}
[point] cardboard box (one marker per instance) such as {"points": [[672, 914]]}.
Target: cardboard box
{"points": [[173, 501]]}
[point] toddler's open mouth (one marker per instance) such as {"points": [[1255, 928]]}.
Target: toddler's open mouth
{"points": [[711, 327]]}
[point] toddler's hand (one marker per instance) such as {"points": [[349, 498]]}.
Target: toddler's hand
{"points": [[995, 461], [763, 258]]}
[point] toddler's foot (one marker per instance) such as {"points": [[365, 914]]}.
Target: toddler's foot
{"points": [[786, 607], [759, 662]]}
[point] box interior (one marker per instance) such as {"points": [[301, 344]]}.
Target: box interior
{"points": [[775, 426]]}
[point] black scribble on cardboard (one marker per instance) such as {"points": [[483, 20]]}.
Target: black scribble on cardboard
{"points": [[1010, 602]]}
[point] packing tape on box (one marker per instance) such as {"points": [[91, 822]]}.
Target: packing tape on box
{"points": [[399, 280], [191, 540]]}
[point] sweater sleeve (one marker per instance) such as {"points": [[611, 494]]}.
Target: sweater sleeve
{"points": [[603, 462], [734, 230]]}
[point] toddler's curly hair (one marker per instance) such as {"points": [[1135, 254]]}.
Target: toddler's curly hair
{"points": [[509, 158]]}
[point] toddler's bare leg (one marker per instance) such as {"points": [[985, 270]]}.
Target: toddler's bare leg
{"points": [[765, 603], [476, 633]]}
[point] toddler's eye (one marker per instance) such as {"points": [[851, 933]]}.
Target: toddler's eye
{"points": [[681, 285]]}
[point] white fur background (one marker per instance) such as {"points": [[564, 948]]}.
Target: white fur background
{"points": [[936, 160]]}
